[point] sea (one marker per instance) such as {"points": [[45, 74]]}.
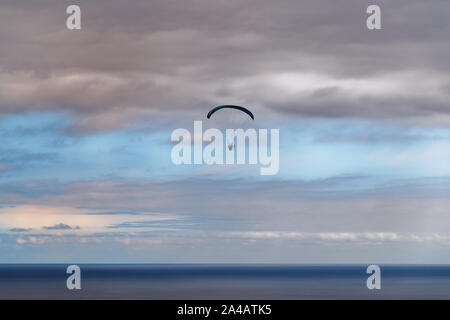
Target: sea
{"points": [[223, 281]]}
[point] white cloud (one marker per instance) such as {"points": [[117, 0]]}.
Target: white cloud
{"points": [[354, 237], [21, 241], [88, 221]]}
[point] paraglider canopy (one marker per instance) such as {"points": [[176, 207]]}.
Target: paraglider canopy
{"points": [[229, 106]]}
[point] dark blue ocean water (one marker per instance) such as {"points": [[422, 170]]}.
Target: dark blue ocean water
{"points": [[224, 282]]}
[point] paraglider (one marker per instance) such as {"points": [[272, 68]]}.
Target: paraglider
{"points": [[229, 106]]}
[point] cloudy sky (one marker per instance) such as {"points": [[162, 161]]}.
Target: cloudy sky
{"points": [[86, 118]]}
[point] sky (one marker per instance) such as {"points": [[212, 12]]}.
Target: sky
{"points": [[86, 118]]}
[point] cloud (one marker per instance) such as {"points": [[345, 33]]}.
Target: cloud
{"points": [[154, 66], [61, 226], [5, 167], [366, 238], [338, 205], [24, 157], [20, 229], [85, 221], [237, 238], [21, 241], [289, 59]]}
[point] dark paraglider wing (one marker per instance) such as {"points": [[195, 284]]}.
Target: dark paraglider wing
{"points": [[210, 113]]}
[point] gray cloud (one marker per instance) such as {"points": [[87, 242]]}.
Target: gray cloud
{"points": [[20, 229], [60, 226], [331, 205], [20, 157], [136, 62]]}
